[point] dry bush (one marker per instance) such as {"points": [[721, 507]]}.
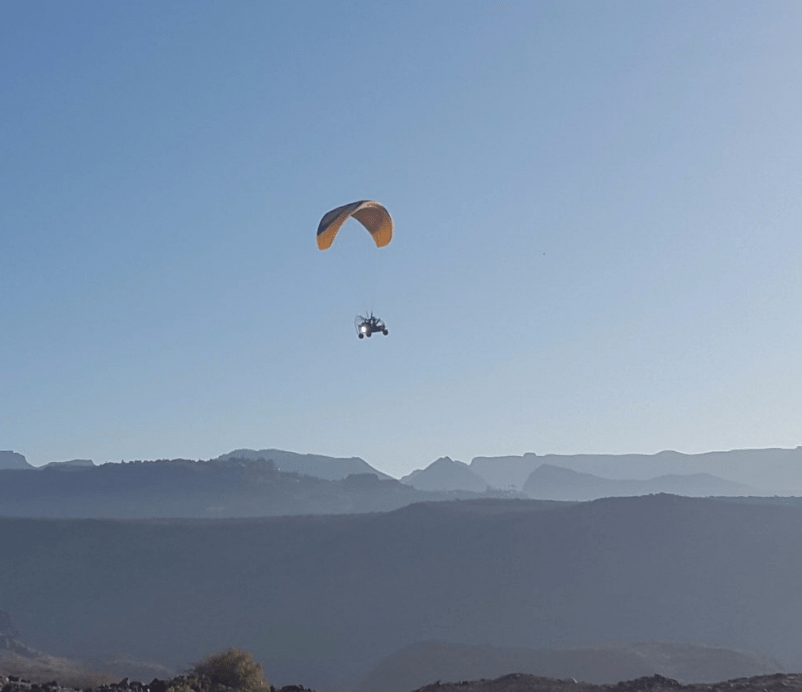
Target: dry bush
{"points": [[232, 670]]}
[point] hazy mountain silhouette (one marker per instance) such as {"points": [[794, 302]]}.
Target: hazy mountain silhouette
{"points": [[549, 482], [181, 488], [506, 471], [422, 663], [446, 474], [324, 599], [770, 471], [317, 465], [13, 460], [72, 463]]}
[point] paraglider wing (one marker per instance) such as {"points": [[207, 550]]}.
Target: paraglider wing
{"points": [[371, 215]]}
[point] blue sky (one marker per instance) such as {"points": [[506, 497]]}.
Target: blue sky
{"points": [[597, 210]]}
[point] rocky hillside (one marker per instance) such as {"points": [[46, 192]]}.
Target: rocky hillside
{"points": [[14, 683], [516, 682], [421, 663]]}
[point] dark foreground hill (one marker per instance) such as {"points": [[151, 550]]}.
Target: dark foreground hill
{"points": [[422, 663], [323, 599], [653, 683]]}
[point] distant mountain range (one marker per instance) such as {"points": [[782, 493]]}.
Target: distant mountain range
{"points": [[768, 471], [227, 487], [736, 472], [253, 485], [316, 465], [741, 471], [549, 482]]}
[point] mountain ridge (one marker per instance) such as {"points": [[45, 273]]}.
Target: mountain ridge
{"points": [[317, 465], [549, 482], [446, 474], [183, 488], [13, 460], [770, 470]]}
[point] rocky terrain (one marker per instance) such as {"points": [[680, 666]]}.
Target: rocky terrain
{"points": [[13, 683], [509, 683], [656, 683]]}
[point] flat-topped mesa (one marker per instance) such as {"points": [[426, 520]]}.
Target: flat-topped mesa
{"points": [[13, 460]]}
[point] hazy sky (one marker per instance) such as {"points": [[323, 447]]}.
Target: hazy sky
{"points": [[598, 210]]}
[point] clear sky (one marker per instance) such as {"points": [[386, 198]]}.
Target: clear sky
{"points": [[598, 214]]}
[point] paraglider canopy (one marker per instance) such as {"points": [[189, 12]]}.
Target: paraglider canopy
{"points": [[372, 215]]}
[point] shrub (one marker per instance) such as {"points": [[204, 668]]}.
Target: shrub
{"points": [[232, 669], [183, 686]]}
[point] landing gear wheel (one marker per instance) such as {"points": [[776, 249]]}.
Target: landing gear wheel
{"points": [[384, 331], [361, 336], [369, 333]]}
